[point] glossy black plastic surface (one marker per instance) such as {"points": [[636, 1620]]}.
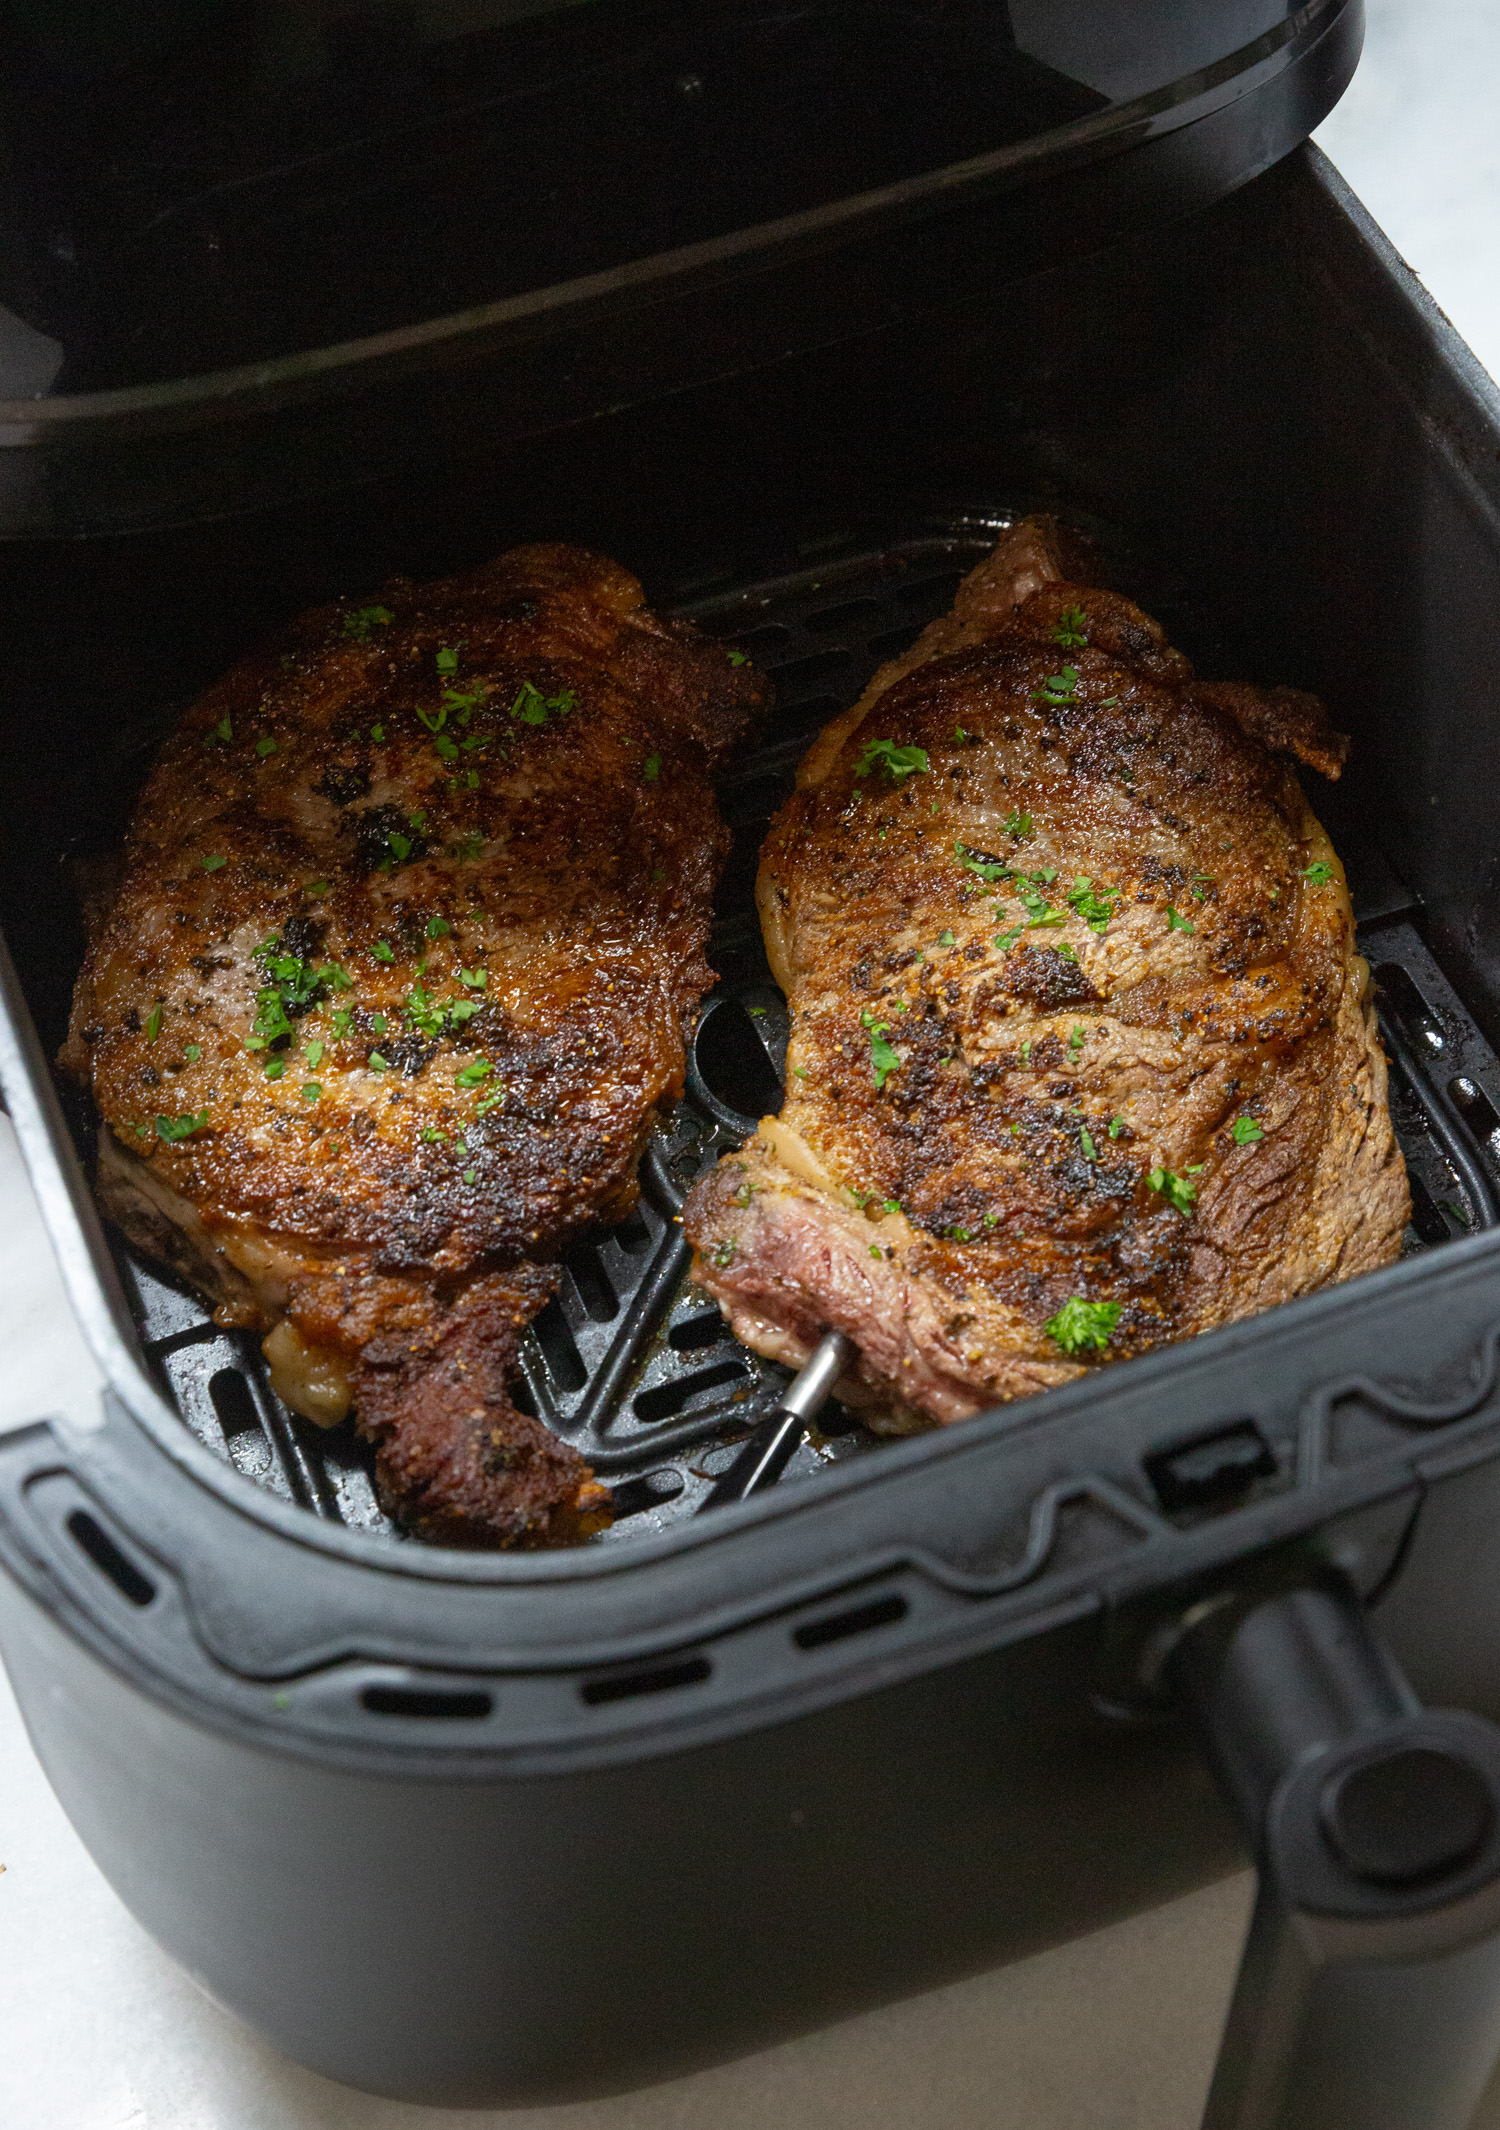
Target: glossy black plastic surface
{"points": [[305, 245], [897, 1719]]}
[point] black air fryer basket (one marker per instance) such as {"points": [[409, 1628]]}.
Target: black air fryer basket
{"points": [[475, 1829]]}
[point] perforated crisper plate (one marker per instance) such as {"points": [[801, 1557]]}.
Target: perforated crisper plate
{"points": [[632, 1362]]}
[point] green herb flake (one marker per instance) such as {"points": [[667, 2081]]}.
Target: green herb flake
{"points": [[221, 734], [651, 769], [897, 762], [1026, 1053], [153, 1023], [1116, 1126], [723, 1254], [1004, 941], [383, 950], [312, 1091], [478, 979], [1019, 826], [192, 1052], [438, 928], [274, 1068], [447, 659], [1077, 1038], [265, 747], [1069, 629], [1317, 875], [945, 939], [1246, 1132], [467, 848], [343, 1021], [1087, 1144], [1179, 1191], [531, 707], [739, 658], [1096, 906], [214, 865], [377, 733], [379, 1023], [364, 618], [173, 1129], [983, 868], [470, 1174], [1177, 923], [315, 887], [1059, 688], [1079, 1324], [473, 1075], [875, 1250], [959, 735], [883, 1059], [377, 1063]]}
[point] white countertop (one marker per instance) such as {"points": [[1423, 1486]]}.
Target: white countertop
{"points": [[98, 2031]]}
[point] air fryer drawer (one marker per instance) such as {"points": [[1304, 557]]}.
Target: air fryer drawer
{"points": [[494, 1829]]}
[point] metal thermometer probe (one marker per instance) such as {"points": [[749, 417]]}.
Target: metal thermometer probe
{"points": [[767, 1453]]}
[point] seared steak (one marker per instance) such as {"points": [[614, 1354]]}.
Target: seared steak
{"points": [[410, 928], [1082, 1058]]}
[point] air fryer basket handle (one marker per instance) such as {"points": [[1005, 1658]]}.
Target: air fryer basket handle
{"points": [[1368, 1996]]}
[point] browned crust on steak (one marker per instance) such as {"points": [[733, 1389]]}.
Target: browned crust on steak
{"points": [[1046, 1068], [430, 833]]}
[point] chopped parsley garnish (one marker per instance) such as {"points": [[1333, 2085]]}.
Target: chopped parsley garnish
{"points": [[312, 1091], [477, 979], [437, 1017], [1116, 1126], [1317, 875], [651, 769], [1177, 923], [1006, 940], [1246, 1132], [364, 618], [1179, 1191], [482, 1109], [174, 1128], [343, 1021], [1202, 882], [1026, 1053], [447, 658], [192, 1052], [434, 720], [958, 1234], [945, 939], [383, 950], [960, 735], [1079, 1323], [379, 1023], [875, 1251], [1038, 910], [315, 887], [467, 848], [438, 928], [897, 762], [473, 1075], [377, 1063], [221, 734], [1059, 688], [470, 1174], [1065, 952], [1069, 629], [213, 865], [883, 1059], [274, 1068], [447, 751], [1077, 1039], [377, 733], [153, 1023], [724, 1253], [1096, 906], [1019, 826], [984, 868], [1087, 1144], [531, 707]]}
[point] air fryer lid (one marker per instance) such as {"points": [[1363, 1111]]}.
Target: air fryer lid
{"points": [[210, 204]]}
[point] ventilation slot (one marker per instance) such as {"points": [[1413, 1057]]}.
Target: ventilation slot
{"points": [[732, 1063], [109, 1560], [853, 614], [444, 1704], [650, 1491], [1399, 995], [892, 642], [559, 1350], [592, 1281], [799, 673], [1426, 1219], [632, 1235], [233, 1402], [628, 1686], [669, 1399], [1477, 1111], [693, 1333], [839, 1626]]}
